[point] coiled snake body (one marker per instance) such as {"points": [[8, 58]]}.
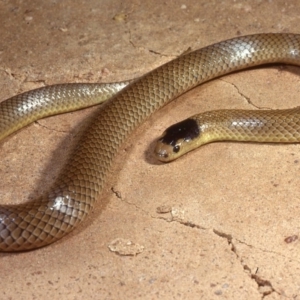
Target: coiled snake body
{"points": [[70, 199]]}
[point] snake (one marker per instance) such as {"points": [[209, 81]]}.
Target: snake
{"points": [[79, 184]]}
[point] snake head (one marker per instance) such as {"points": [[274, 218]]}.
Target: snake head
{"points": [[177, 140]]}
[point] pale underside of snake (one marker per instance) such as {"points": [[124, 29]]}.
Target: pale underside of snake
{"points": [[42, 221]]}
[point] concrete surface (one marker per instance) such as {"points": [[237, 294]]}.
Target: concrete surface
{"points": [[219, 223]]}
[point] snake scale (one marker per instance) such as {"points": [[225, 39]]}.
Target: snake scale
{"points": [[42, 221]]}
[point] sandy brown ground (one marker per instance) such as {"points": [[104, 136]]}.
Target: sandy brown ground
{"points": [[229, 207]]}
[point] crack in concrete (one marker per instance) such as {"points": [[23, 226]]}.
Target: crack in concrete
{"points": [[267, 251], [181, 221], [50, 129], [173, 217], [145, 49], [38, 81], [118, 194], [264, 286], [189, 224], [248, 99], [22, 78], [149, 50]]}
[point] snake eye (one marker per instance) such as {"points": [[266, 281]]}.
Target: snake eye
{"points": [[176, 148]]}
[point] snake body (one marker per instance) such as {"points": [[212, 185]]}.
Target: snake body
{"points": [[78, 186]]}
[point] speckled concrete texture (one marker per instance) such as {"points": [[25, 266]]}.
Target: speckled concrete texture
{"points": [[219, 223]]}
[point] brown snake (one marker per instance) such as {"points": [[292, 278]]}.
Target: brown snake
{"points": [[78, 186]]}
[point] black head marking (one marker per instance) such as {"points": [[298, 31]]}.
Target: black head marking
{"points": [[185, 130]]}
